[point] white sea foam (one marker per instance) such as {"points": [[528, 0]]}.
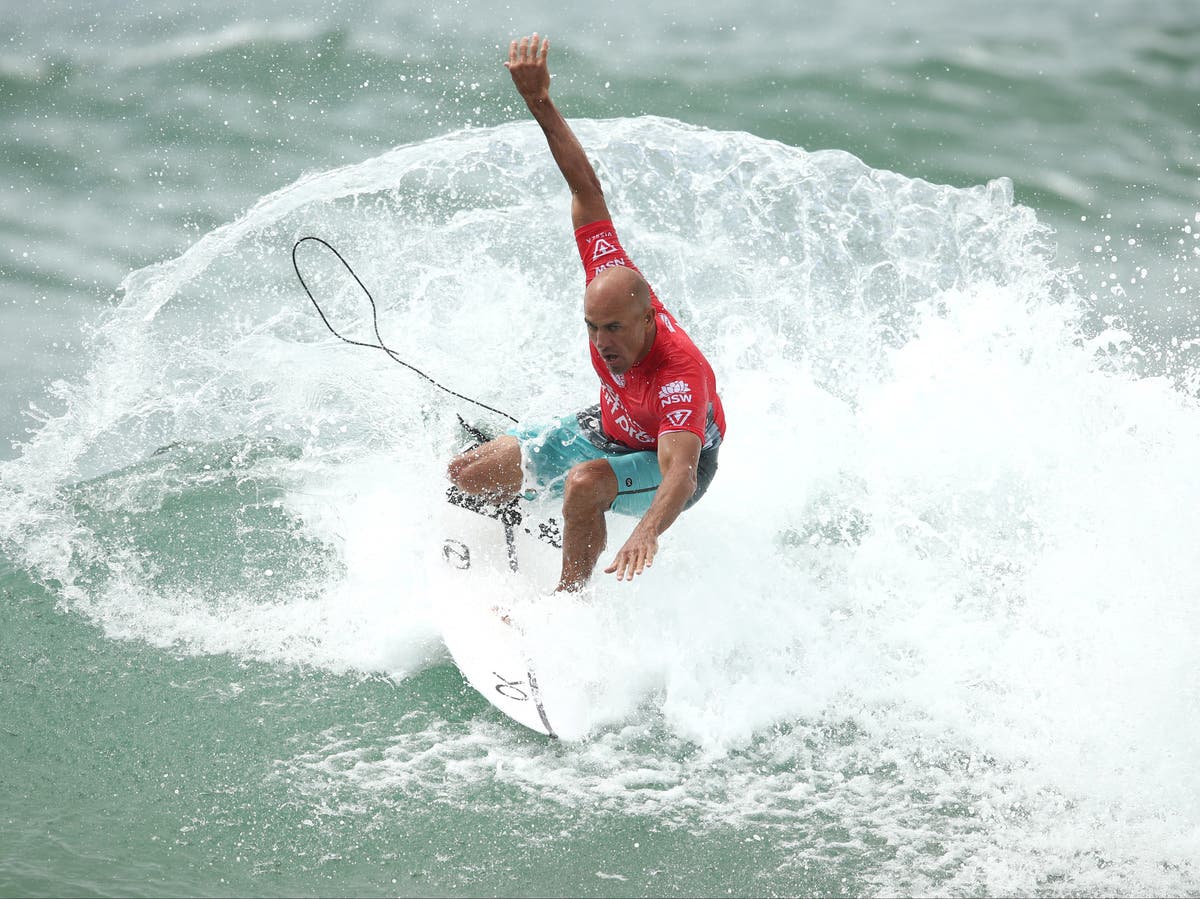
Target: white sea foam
{"points": [[942, 589]]}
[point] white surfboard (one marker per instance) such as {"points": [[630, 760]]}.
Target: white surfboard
{"points": [[489, 553], [490, 655]]}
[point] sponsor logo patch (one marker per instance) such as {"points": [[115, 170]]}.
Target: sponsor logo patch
{"points": [[675, 392], [621, 417], [610, 397], [678, 417], [610, 264], [602, 248], [626, 423]]}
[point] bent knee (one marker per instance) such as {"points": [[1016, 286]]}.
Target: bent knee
{"points": [[457, 468], [590, 485], [470, 475], [494, 468]]}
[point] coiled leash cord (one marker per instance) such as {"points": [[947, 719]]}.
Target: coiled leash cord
{"points": [[375, 320]]}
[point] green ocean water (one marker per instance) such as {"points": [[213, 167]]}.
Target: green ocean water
{"points": [[933, 632]]}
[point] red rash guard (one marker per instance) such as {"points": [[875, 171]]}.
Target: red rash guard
{"points": [[672, 389]]}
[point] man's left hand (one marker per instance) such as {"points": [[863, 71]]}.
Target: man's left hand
{"points": [[635, 556]]}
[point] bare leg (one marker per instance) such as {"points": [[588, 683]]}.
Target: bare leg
{"points": [[590, 490], [492, 469]]}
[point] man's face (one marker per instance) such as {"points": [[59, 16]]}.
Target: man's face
{"points": [[620, 325]]}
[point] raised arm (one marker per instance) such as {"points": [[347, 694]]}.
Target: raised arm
{"points": [[527, 66]]}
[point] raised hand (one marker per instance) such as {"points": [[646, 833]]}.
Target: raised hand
{"points": [[527, 66]]}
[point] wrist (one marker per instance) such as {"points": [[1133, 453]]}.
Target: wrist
{"points": [[649, 525]]}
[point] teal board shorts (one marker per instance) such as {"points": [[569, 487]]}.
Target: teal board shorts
{"points": [[550, 450]]}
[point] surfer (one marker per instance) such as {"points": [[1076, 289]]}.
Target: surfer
{"points": [[649, 448]]}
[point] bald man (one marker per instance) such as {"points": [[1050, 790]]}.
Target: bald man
{"points": [[649, 449]]}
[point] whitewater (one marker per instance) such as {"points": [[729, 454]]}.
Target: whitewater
{"points": [[936, 614]]}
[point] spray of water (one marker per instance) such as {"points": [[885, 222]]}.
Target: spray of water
{"points": [[942, 588]]}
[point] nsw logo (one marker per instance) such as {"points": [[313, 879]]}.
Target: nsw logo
{"points": [[610, 264], [675, 392]]}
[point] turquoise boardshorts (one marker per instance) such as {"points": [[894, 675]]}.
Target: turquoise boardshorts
{"points": [[550, 450]]}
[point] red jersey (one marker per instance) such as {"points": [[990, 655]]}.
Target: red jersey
{"points": [[672, 389]]}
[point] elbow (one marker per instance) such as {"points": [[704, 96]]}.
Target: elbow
{"points": [[589, 193], [687, 481]]}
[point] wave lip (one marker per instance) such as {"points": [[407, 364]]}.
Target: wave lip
{"points": [[943, 494]]}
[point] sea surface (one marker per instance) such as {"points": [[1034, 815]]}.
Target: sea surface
{"points": [[932, 631]]}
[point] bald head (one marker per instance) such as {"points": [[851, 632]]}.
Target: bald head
{"points": [[616, 286], [619, 317]]}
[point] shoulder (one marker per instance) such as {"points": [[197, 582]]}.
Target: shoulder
{"points": [[680, 371], [677, 348]]}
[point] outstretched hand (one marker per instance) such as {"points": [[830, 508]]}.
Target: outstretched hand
{"points": [[527, 66], [635, 556]]}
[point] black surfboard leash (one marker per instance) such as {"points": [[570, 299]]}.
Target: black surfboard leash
{"points": [[375, 321]]}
